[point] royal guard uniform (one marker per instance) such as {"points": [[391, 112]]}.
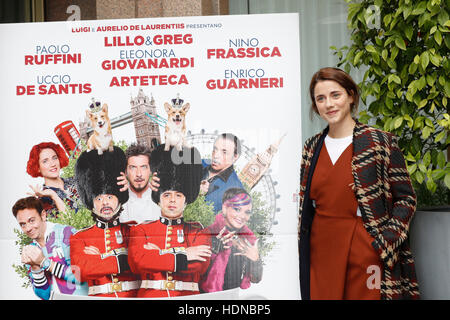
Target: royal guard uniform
{"points": [[108, 273], [167, 272]]}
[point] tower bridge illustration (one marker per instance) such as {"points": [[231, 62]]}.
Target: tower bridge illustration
{"points": [[145, 128], [253, 168]]}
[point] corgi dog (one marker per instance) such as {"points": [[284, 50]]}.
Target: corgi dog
{"points": [[101, 138], [176, 126]]}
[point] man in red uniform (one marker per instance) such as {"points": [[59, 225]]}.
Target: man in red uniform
{"points": [[171, 254], [101, 251]]}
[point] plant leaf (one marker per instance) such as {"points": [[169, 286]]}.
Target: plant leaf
{"points": [[443, 17], [399, 42], [438, 37], [423, 103], [420, 8], [408, 120], [422, 168], [409, 32], [398, 122], [419, 177], [441, 159], [371, 48], [412, 168], [426, 132], [396, 79], [424, 59], [440, 136], [447, 180], [358, 57], [426, 159], [431, 185]]}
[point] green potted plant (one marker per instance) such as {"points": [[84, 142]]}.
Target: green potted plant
{"points": [[402, 46]]}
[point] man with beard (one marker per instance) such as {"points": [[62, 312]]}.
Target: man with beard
{"points": [[139, 206], [171, 254], [101, 251], [218, 173]]}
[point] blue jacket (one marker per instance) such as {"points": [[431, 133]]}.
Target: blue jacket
{"points": [[219, 184]]}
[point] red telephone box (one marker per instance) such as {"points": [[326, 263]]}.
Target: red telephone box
{"points": [[69, 136]]}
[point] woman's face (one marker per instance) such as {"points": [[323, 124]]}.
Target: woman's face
{"points": [[49, 163], [236, 216], [333, 102]]}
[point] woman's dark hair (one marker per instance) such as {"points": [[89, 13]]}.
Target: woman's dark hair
{"points": [[231, 192], [339, 76]]}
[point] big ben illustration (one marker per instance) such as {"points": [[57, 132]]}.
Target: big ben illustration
{"points": [[258, 165]]}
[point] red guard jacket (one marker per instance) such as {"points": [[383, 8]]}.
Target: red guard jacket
{"points": [[170, 262], [111, 266]]}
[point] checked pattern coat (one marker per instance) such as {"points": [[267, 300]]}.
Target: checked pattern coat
{"points": [[387, 202]]}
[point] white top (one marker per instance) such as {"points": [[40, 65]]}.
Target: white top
{"points": [[335, 147], [139, 209]]}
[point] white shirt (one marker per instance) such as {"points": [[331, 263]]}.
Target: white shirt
{"points": [[335, 147], [139, 209]]}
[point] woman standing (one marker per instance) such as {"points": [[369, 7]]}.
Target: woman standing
{"points": [[46, 160], [356, 203]]}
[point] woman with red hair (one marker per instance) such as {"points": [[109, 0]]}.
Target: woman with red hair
{"points": [[46, 160]]}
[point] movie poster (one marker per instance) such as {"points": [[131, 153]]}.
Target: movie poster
{"points": [[239, 75]]}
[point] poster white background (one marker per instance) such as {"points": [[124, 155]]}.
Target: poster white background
{"points": [[257, 116]]}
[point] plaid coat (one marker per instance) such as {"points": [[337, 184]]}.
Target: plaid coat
{"points": [[387, 202]]}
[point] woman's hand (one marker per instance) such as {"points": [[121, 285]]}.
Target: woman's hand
{"points": [[227, 240], [246, 249], [40, 192]]}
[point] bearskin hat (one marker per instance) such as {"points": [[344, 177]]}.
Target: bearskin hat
{"points": [[97, 174], [178, 171]]}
